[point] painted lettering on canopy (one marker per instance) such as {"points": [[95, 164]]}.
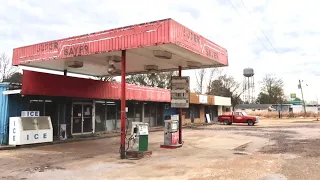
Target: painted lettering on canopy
{"points": [[48, 46], [212, 54], [76, 50], [190, 36]]}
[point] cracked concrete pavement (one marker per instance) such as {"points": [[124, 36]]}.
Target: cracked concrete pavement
{"points": [[272, 150]]}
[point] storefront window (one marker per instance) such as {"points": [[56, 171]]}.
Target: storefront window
{"points": [[186, 113], [160, 109], [111, 115], [146, 112], [100, 116], [195, 110], [131, 110], [153, 114], [51, 109], [47, 107], [138, 111], [37, 105]]}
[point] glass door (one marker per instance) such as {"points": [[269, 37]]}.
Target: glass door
{"points": [[77, 118], [82, 118], [87, 118]]}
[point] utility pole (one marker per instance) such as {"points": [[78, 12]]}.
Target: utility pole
{"points": [[304, 104], [317, 109]]}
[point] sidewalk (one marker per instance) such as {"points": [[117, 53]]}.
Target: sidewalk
{"points": [[96, 136], [76, 139]]}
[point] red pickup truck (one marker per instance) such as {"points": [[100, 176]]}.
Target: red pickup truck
{"points": [[238, 117]]}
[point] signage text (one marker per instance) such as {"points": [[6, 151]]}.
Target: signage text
{"points": [[203, 99], [37, 136], [180, 92], [30, 113], [47, 46], [14, 131], [212, 54], [77, 50], [190, 36]]}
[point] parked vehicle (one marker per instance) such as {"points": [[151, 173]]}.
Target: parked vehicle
{"points": [[238, 117]]}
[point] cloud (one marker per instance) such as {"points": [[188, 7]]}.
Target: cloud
{"points": [[290, 26]]}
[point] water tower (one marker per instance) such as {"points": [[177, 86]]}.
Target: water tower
{"points": [[248, 86]]}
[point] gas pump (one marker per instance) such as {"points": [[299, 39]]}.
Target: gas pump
{"points": [[138, 141], [171, 134]]}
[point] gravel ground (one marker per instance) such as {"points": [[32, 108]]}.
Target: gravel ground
{"points": [[273, 150]]}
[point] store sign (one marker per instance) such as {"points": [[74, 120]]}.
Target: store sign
{"points": [[180, 92], [293, 95], [203, 99], [30, 113]]}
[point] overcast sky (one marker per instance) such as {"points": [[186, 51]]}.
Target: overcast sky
{"points": [[291, 27]]}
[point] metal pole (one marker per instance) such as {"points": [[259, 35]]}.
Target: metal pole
{"points": [[317, 109], [65, 73], [304, 104], [123, 105], [180, 116]]}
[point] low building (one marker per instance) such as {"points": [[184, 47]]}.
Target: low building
{"points": [[254, 107], [90, 106], [276, 107], [203, 107], [309, 108]]}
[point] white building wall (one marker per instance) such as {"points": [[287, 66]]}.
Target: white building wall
{"points": [[299, 108], [222, 101]]}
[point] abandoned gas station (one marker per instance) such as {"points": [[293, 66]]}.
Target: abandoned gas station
{"points": [[157, 46]]}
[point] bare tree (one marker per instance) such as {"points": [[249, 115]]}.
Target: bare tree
{"points": [[271, 90], [14, 78], [214, 73], [200, 78], [160, 80], [227, 86], [6, 69], [204, 77]]}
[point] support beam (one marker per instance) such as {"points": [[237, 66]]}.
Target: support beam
{"points": [[180, 116], [123, 105], [142, 112], [64, 115]]}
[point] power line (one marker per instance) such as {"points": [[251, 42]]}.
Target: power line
{"points": [[251, 30], [260, 28]]}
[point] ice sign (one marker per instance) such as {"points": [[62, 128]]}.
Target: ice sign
{"points": [[30, 113]]}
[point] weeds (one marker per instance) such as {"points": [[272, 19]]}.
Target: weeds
{"points": [[275, 114]]}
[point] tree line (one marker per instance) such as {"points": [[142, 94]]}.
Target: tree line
{"points": [[271, 89], [214, 82], [211, 81]]}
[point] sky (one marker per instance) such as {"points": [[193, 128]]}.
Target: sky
{"points": [[281, 38]]}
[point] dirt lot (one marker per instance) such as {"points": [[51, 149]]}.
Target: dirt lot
{"points": [[272, 150]]}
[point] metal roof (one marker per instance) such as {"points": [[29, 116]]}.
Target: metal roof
{"points": [[187, 48]]}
